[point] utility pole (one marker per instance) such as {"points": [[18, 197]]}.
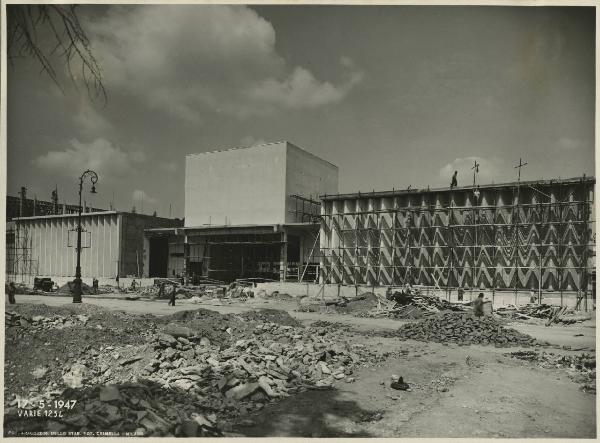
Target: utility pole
{"points": [[519, 166]]}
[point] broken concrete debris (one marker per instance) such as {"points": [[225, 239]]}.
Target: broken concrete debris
{"points": [[554, 314], [464, 329], [178, 382]]}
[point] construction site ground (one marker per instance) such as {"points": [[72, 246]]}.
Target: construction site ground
{"points": [[456, 391]]}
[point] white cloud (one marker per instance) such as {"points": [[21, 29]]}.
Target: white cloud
{"points": [[140, 198], [251, 141], [190, 59], [569, 144], [168, 166], [302, 90], [89, 120], [490, 171], [99, 155]]}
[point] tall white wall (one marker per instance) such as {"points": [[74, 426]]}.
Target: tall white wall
{"points": [[252, 185], [236, 186], [308, 176]]}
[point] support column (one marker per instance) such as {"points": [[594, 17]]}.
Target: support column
{"points": [[186, 257], [283, 257]]}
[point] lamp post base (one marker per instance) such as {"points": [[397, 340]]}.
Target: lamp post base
{"points": [[77, 290]]}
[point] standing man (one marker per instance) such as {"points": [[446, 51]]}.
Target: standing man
{"points": [[117, 279], [95, 285], [478, 306], [532, 296], [454, 182], [11, 290], [172, 298]]}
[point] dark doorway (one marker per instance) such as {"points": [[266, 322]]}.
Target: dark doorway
{"points": [[195, 270], [159, 257], [232, 261]]}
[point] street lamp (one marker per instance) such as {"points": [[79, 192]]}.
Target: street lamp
{"points": [[77, 281]]}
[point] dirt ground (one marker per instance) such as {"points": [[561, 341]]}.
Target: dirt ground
{"points": [[456, 391]]}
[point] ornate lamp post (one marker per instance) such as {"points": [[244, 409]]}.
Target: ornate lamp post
{"points": [[77, 281]]}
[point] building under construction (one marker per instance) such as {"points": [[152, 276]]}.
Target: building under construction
{"points": [[522, 235], [249, 213]]}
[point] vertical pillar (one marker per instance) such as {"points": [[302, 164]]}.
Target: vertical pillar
{"points": [[325, 226], [186, 257], [283, 257]]}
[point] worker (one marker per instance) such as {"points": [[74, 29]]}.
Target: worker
{"points": [[117, 280], [461, 293], [478, 306], [95, 285], [10, 291], [161, 289], [532, 297], [133, 284], [172, 298], [454, 182]]}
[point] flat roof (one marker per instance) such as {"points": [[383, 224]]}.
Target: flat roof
{"points": [[394, 192], [208, 228], [285, 142], [89, 214]]}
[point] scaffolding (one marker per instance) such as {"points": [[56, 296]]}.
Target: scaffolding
{"points": [[519, 236], [21, 267], [305, 209]]}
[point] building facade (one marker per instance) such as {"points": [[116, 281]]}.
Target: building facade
{"points": [[526, 235], [249, 213], [112, 244]]}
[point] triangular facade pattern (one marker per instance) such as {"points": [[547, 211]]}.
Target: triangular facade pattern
{"points": [[509, 236]]}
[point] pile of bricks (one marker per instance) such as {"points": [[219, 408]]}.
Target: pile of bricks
{"points": [[464, 329]]}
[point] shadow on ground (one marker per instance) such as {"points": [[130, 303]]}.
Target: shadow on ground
{"points": [[315, 413]]}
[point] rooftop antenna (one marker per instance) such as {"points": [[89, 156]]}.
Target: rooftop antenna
{"points": [[520, 165], [169, 210]]}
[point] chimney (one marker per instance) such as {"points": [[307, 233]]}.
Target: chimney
{"points": [[22, 201], [55, 200]]}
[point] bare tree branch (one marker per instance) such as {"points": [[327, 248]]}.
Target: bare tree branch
{"points": [[70, 43]]}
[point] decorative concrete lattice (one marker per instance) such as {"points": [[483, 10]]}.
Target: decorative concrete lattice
{"points": [[498, 236]]}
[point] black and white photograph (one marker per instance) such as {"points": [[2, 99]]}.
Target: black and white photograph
{"points": [[299, 220]]}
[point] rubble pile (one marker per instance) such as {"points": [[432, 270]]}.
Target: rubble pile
{"points": [[135, 409], [181, 379], [582, 367], [554, 314], [411, 306], [42, 322], [69, 287], [182, 292], [464, 329]]}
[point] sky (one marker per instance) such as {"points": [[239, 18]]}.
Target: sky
{"points": [[392, 95]]}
